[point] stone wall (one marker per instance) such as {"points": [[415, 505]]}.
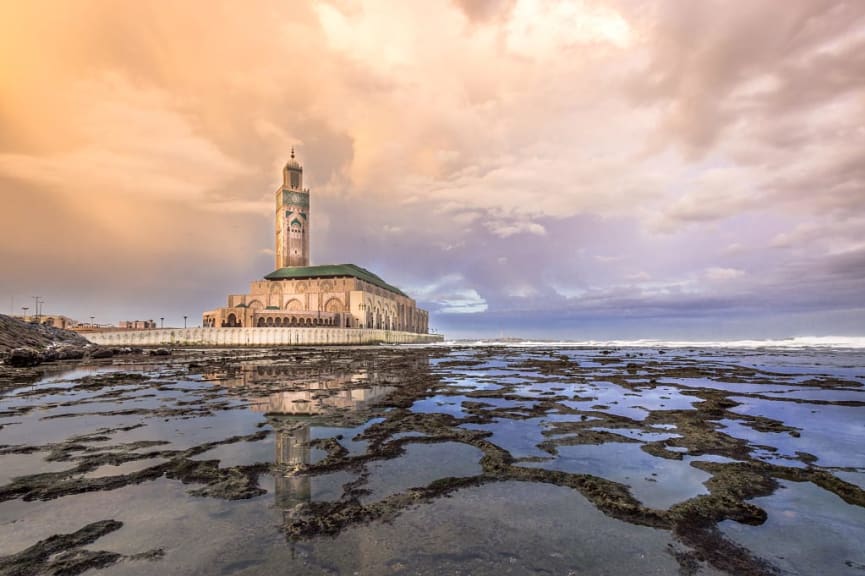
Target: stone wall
{"points": [[257, 337]]}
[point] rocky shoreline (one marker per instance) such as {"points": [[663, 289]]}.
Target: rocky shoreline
{"points": [[682, 414], [28, 345], [15, 333]]}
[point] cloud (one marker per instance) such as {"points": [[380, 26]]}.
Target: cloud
{"points": [[450, 295], [540, 29], [734, 249], [462, 302], [716, 274], [608, 259], [137, 145], [482, 11], [639, 277], [503, 229]]}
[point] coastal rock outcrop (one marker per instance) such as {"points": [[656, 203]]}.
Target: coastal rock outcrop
{"points": [[15, 333], [24, 357], [23, 344]]}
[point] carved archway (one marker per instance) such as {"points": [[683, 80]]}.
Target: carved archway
{"points": [[294, 305], [333, 305]]}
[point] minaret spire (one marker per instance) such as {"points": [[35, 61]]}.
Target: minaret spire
{"points": [[292, 217]]}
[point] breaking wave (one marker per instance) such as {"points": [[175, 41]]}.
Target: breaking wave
{"points": [[834, 342]]}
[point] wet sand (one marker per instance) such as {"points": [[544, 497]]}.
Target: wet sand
{"points": [[472, 460]]}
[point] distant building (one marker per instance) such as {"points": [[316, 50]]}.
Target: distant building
{"points": [[137, 324], [55, 320], [297, 294]]}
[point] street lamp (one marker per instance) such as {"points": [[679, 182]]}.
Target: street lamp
{"points": [[184, 322], [25, 308], [91, 321], [38, 300], [162, 321]]}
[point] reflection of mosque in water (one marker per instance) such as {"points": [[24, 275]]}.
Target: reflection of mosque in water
{"points": [[292, 453], [308, 390], [297, 399], [288, 412]]}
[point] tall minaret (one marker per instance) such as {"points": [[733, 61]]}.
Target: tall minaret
{"points": [[292, 217]]}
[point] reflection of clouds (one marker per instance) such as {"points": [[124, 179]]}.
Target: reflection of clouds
{"points": [[656, 482], [833, 433]]}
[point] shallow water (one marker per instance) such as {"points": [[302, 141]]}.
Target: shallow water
{"points": [[480, 460], [788, 536]]}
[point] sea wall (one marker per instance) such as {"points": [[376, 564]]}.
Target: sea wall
{"points": [[235, 337]]}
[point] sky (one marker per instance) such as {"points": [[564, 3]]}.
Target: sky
{"points": [[544, 169]]}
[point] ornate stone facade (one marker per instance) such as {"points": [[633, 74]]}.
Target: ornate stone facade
{"points": [[299, 295], [292, 217]]}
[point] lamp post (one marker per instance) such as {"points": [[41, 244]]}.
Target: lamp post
{"points": [[184, 322], [161, 322], [25, 309], [91, 321]]}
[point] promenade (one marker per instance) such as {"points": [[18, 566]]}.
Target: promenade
{"points": [[241, 337]]}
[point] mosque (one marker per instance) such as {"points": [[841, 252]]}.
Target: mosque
{"points": [[299, 295]]}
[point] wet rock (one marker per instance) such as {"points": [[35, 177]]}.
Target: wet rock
{"points": [[63, 553], [160, 352], [24, 358], [127, 350], [70, 353], [101, 352]]}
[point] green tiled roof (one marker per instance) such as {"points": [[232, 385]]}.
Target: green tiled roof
{"points": [[331, 271]]}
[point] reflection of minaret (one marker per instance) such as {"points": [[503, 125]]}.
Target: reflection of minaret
{"points": [[292, 453], [292, 217], [297, 396]]}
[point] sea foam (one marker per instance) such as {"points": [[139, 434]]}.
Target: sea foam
{"points": [[832, 342]]}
